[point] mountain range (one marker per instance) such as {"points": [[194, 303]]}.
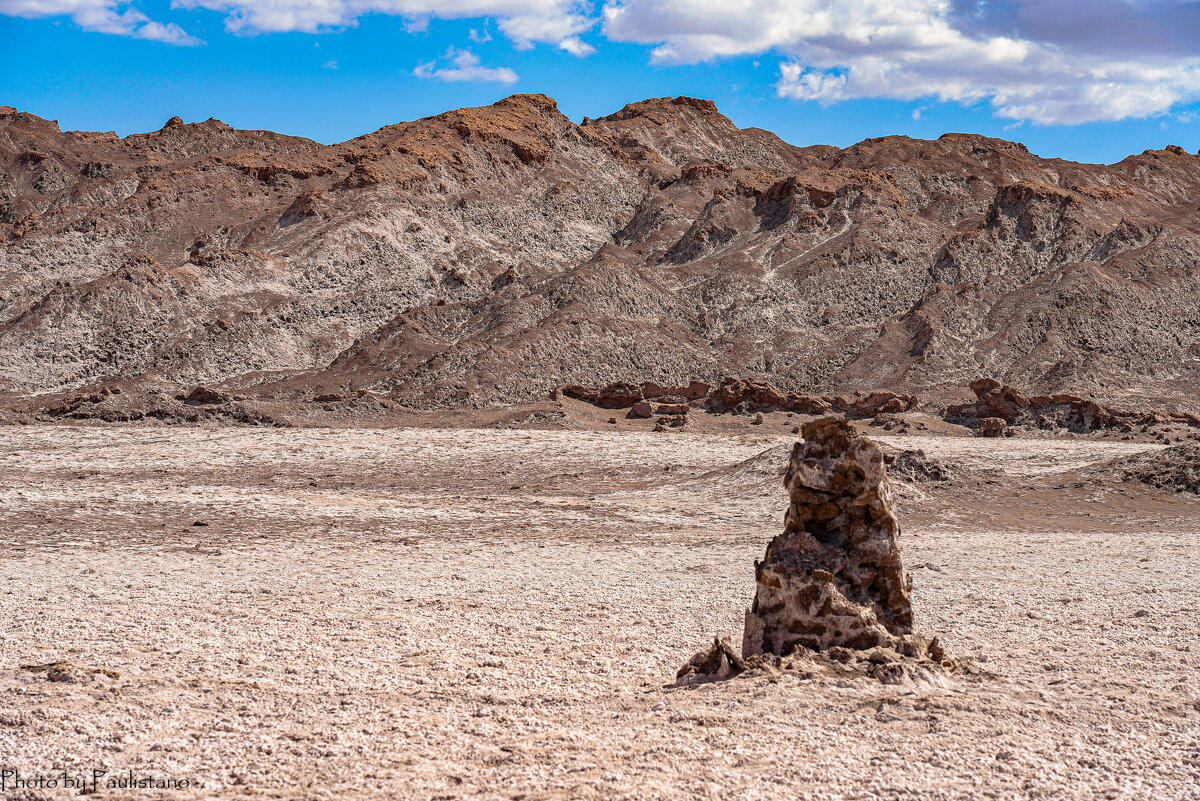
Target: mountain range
{"points": [[487, 255]]}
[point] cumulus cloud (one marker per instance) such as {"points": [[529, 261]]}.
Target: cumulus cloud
{"points": [[1048, 61], [1095, 60], [464, 66], [101, 16]]}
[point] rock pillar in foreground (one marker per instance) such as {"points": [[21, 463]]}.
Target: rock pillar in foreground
{"points": [[834, 576]]}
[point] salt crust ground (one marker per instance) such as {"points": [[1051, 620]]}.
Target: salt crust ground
{"points": [[499, 614]]}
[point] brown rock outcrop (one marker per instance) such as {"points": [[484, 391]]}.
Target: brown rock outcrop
{"points": [[671, 408], [203, 395], [881, 402], [746, 395], [997, 403], [834, 577], [612, 396], [641, 409]]}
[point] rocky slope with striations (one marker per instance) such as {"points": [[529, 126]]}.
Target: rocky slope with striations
{"points": [[488, 255]]}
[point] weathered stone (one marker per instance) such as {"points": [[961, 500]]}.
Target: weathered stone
{"points": [[882, 402], [203, 396], [992, 427], [641, 409], [613, 396], [834, 577], [671, 408], [746, 395], [694, 390], [716, 663]]}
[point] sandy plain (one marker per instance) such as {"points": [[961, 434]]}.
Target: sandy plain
{"points": [[445, 614]]}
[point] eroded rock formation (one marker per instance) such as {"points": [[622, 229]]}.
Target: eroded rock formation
{"points": [[832, 595], [740, 396], [834, 577], [999, 405]]}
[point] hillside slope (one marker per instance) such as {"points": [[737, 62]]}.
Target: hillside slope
{"points": [[487, 255]]}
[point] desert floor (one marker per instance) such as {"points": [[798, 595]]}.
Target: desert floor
{"points": [[500, 614]]}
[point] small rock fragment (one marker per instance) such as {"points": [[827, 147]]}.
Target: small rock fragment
{"points": [[641, 409], [992, 427], [718, 662]]}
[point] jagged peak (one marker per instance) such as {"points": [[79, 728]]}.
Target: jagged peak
{"points": [[209, 124], [667, 104], [9, 112], [981, 141], [540, 102]]}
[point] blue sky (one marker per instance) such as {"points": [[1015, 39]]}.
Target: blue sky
{"points": [[1090, 81]]}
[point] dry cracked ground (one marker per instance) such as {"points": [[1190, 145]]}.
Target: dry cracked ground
{"points": [[445, 614]]}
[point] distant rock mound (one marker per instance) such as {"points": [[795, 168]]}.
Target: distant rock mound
{"points": [[1174, 469], [742, 396], [997, 406], [915, 467], [761, 473]]}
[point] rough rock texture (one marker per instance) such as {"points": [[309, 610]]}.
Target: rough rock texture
{"points": [[1174, 469], [834, 577], [719, 661], [488, 255], [916, 467]]}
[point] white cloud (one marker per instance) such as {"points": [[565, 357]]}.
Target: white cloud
{"points": [[916, 49], [525, 22], [464, 66], [331, 64], [562, 28], [167, 32], [576, 46], [101, 16], [1047, 61]]}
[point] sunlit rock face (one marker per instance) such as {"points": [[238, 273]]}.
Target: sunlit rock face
{"points": [[834, 577]]}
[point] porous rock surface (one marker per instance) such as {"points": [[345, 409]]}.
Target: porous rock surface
{"points": [[834, 577], [832, 597]]}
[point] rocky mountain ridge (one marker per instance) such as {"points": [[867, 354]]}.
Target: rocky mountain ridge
{"points": [[489, 255]]}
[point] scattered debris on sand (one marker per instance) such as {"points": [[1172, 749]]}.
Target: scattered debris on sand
{"points": [[832, 586], [69, 672]]}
